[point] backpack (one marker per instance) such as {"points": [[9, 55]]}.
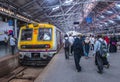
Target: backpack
{"points": [[103, 48], [67, 43], [78, 44]]}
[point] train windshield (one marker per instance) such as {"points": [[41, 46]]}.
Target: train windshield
{"points": [[45, 34], [26, 34]]}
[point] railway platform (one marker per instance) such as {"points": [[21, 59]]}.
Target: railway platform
{"points": [[61, 70], [5, 50], [8, 62]]}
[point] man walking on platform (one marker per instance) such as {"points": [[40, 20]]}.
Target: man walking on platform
{"points": [[66, 46], [78, 52], [71, 40], [100, 50]]}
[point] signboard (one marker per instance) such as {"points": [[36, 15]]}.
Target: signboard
{"points": [[76, 23], [10, 22], [89, 19]]}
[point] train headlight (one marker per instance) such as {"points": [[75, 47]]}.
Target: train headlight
{"points": [[23, 46], [44, 56], [21, 56], [47, 46], [22, 53]]}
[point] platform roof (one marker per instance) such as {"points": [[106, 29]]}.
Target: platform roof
{"points": [[105, 14]]}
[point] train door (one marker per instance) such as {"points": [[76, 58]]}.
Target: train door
{"points": [[58, 39]]}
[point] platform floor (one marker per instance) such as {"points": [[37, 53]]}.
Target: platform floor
{"points": [[61, 70], [5, 51]]}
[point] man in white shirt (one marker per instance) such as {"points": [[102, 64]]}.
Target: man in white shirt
{"points": [[92, 41], [12, 44], [71, 40]]}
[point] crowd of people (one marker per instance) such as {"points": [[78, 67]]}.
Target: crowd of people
{"points": [[80, 46]]}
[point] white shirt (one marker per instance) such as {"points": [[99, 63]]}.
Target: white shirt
{"points": [[12, 41], [64, 40], [92, 40], [71, 40]]}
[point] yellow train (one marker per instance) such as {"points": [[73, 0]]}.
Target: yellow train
{"points": [[38, 43]]}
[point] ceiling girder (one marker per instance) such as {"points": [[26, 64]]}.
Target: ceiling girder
{"points": [[63, 15], [27, 4], [111, 5], [63, 5], [73, 12], [66, 16], [62, 9], [39, 9], [71, 7], [112, 8], [77, 3]]}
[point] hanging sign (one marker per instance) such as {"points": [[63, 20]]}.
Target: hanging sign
{"points": [[10, 22], [89, 19]]}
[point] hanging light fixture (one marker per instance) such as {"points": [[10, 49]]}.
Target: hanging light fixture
{"points": [[55, 8], [102, 16], [68, 2], [109, 12], [118, 16], [111, 21], [117, 5]]}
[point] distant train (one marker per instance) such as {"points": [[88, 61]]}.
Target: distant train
{"points": [[38, 43]]}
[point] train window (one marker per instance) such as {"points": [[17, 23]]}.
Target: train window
{"points": [[26, 34], [45, 34]]}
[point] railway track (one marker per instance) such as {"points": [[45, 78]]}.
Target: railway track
{"points": [[23, 74]]}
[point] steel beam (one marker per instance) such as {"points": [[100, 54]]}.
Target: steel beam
{"points": [[113, 16], [112, 8], [111, 5], [73, 12], [80, 2], [39, 9], [48, 17], [69, 9], [69, 5], [62, 11], [26, 4], [63, 15]]}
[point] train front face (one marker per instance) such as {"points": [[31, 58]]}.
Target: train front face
{"points": [[36, 45]]}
